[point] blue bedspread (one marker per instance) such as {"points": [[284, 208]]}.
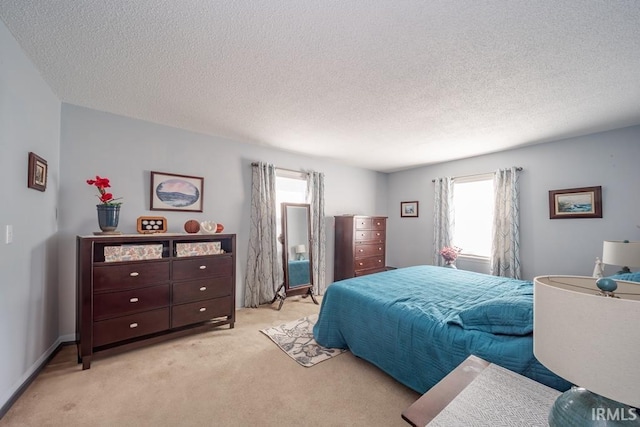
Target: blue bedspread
{"points": [[419, 323]]}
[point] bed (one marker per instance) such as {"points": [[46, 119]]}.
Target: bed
{"points": [[418, 323]]}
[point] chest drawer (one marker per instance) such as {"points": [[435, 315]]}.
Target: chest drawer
{"points": [[363, 223], [121, 303], [196, 290], [371, 262], [378, 223], [132, 326], [199, 267], [369, 235], [129, 275], [201, 311], [359, 273], [369, 250]]}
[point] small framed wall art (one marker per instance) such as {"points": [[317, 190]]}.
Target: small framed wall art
{"points": [[409, 209], [37, 178], [583, 202], [171, 192]]}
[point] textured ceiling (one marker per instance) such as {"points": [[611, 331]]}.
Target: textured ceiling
{"points": [[384, 85]]}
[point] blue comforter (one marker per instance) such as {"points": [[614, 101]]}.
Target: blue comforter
{"points": [[419, 323]]}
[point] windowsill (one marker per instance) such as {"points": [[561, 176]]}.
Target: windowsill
{"points": [[474, 257]]}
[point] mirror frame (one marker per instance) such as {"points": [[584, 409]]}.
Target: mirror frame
{"points": [[298, 289]]}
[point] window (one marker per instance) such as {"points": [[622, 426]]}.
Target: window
{"points": [[473, 206], [291, 187]]}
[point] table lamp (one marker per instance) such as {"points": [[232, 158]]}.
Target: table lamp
{"points": [[300, 251], [589, 335], [623, 253]]}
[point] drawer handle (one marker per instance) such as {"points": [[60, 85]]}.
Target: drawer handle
{"points": [[361, 250], [133, 299], [360, 263], [203, 309], [379, 261], [203, 267], [204, 288], [134, 274], [133, 325], [379, 249]]}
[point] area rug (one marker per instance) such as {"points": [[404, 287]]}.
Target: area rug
{"points": [[296, 339]]}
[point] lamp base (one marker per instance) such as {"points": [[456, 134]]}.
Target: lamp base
{"points": [[578, 407]]}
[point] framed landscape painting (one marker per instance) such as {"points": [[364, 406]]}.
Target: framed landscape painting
{"points": [[409, 209], [171, 192], [584, 202]]}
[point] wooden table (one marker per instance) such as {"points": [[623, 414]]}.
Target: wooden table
{"points": [[425, 409]]}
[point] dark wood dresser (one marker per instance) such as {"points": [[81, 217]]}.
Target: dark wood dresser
{"points": [[360, 245], [135, 290]]}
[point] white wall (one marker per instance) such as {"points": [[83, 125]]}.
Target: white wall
{"points": [[558, 246], [125, 150], [29, 121]]}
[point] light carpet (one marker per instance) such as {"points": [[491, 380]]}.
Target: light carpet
{"points": [[296, 340]]}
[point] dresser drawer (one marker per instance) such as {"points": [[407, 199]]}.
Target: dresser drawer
{"points": [[130, 275], [196, 290], [367, 263], [359, 273], [363, 223], [369, 250], [206, 266], [370, 235], [201, 311], [113, 304], [378, 223], [132, 326]]}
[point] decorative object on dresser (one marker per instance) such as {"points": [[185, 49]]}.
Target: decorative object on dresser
{"points": [[360, 245], [450, 254], [586, 331], [409, 209], [210, 227], [37, 178], [171, 192], [109, 207], [621, 253], [151, 224], [584, 202], [192, 226], [135, 290]]}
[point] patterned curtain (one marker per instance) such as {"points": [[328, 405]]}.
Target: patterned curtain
{"points": [[264, 271], [442, 217], [315, 197], [505, 247]]}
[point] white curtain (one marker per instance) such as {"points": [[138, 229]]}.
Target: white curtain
{"points": [[505, 245], [264, 271], [442, 217], [315, 197]]}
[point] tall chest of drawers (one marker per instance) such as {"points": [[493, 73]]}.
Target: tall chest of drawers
{"points": [[360, 245], [134, 290]]}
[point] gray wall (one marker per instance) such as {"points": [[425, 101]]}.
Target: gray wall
{"points": [[29, 121], [125, 150], [558, 246]]}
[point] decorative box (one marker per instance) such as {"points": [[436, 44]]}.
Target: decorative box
{"points": [[198, 249], [132, 252]]}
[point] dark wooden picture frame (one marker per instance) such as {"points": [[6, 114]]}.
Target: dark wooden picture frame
{"points": [[583, 202], [172, 192], [38, 169], [409, 209]]}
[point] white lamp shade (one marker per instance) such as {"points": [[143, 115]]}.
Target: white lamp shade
{"points": [[624, 254], [300, 249], [590, 340]]}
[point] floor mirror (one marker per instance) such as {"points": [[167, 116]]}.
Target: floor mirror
{"points": [[296, 253]]}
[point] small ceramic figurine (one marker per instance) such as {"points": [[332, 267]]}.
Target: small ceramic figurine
{"points": [[598, 270]]}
